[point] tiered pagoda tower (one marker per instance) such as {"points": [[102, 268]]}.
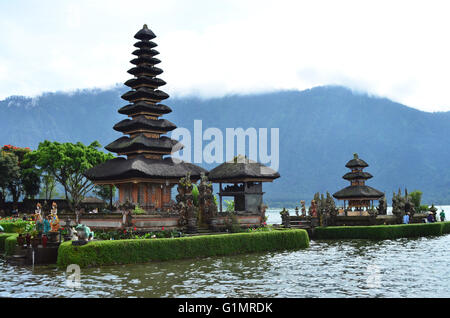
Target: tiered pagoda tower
{"points": [[145, 176], [358, 194]]}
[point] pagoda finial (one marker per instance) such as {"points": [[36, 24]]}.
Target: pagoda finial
{"points": [[145, 26], [355, 156]]}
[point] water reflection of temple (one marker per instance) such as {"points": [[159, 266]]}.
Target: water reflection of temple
{"points": [[244, 178], [358, 195]]}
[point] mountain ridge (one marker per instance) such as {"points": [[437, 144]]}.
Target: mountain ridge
{"points": [[320, 129]]}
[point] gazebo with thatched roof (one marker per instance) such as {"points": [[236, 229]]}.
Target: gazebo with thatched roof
{"points": [[245, 178]]}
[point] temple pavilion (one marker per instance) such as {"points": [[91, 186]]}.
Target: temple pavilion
{"points": [[358, 194], [144, 172], [243, 180]]}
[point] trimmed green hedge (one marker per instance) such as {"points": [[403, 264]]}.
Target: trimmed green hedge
{"points": [[382, 232], [3, 237], [8, 243], [445, 227], [144, 250]]}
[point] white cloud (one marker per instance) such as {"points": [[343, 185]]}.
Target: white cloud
{"points": [[394, 49]]}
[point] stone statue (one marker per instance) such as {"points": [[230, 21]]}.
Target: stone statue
{"points": [[409, 206], [262, 209], [285, 219], [296, 211], [313, 209], [207, 204], [39, 220], [54, 221], [330, 204], [302, 202], [382, 206], [83, 234], [185, 204], [398, 204]]}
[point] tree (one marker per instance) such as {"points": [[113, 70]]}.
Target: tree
{"points": [[48, 187], [416, 198], [195, 194], [9, 171], [105, 192], [18, 177], [67, 162]]}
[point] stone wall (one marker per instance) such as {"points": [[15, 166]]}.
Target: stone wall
{"points": [[153, 222]]}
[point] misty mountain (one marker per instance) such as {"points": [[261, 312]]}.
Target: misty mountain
{"points": [[319, 130]]}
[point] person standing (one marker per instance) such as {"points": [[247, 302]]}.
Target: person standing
{"points": [[406, 218], [442, 215]]}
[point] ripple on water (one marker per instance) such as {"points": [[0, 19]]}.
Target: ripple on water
{"points": [[346, 268]]}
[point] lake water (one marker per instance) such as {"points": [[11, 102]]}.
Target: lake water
{"points": [[344, 268]]}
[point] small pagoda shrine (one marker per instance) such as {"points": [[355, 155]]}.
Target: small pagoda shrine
{"points": [[358, 194], [148, 173], [244, 178]]}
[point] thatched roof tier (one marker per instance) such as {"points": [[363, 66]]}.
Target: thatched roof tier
{"points": [[141, 168], [356, 162], [152, 82], [144, 147], [92, 200], [145, 93], [145, 60], [144, 107], [142, 124], [142, 143], [145, 70], [145, 44], [357, 175], [358, 192], [242, 169], [145, 34], [145, 51]]}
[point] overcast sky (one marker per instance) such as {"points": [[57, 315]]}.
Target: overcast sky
{"points": [[394, 49]]}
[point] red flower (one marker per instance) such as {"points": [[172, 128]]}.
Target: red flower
{"points": [[135, 228], [163, 228]]}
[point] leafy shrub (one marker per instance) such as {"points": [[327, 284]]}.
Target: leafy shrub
{"points": [[138, 251], [133, 234], [16, 226], [138, 210]]}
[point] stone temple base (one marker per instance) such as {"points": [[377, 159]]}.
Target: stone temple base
{"points": [[357, 213]]}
